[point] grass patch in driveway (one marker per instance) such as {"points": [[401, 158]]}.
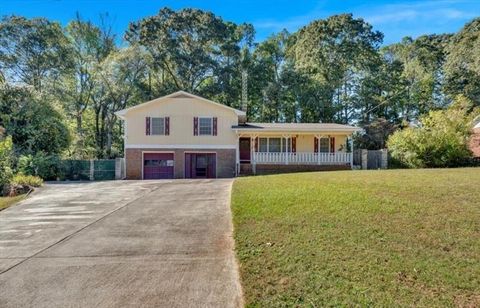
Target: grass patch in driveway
{"points": [[9, 201], [368, 238]]}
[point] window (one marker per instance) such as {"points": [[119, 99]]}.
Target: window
{"points": [[157, 126], [156, 163], [274, 145], [287, 145], [263, 145], [205, 126], [324, 145]]}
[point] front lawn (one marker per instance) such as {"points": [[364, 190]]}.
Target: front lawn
{"points": [[359, 238], [8, 201]]}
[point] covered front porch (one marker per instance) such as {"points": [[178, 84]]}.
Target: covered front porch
{"points": [[302, 146]]}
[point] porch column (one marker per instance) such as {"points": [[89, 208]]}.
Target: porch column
{"points": [[237, 156], [318, 149], [351, 151], [253, 159], [286, 148]]}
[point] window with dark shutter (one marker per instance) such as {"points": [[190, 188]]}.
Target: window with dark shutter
{"points": [[195, 126], [332, 144], [214, 126], [294, 144], [167, 126], [147, 126], [315, 145]]}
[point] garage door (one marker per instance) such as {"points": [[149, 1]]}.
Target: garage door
{"points": [[200, 165], [158, 166]]}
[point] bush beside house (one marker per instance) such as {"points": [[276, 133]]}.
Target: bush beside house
{"points": [[10, 184], [441, 140]]}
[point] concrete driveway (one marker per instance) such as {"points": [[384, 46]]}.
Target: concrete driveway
{"points": [[122, 243]]}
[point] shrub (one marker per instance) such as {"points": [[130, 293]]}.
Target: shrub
{"points": [[6, 158], [441, 140], [43, 165], [27, 180]]}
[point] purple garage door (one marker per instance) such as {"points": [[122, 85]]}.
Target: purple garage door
{"points": [[158, 166], [200, 165]]}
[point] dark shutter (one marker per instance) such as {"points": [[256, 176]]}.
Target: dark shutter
{"points": [[256, 144], [167, 126], [147, 126], [332, 144], [195, 126], [294, 144], [214, 126], [315, 145]]}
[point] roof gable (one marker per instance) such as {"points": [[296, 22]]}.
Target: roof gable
{"points": [[179, 94]]}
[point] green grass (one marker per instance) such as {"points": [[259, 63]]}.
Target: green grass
{"points": [[359, 238], [8, 201]]}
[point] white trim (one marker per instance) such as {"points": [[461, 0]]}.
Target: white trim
{"points": [[167, 152], [123, 112], [181, 146]]}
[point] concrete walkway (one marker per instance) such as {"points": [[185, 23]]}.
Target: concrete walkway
{"points": [[119, 244]]}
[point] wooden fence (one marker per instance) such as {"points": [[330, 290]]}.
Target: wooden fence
{"points": [[370, 159]]}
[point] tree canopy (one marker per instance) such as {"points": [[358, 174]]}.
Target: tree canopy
{"points": [[60, 86]]}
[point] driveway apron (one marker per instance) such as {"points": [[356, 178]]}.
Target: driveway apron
{"points": [[157, 244]]}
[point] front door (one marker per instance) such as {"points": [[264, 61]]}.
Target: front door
{"points": [[200, 165], [244, 147]]}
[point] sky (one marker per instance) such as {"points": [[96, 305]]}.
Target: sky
{"points": [[395, 18]]}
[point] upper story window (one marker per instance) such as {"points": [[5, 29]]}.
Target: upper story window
{"points": [[205, 126], [157, 126]]}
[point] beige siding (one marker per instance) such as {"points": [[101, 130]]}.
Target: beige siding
{"points": [[305, 142], [181, 112]]}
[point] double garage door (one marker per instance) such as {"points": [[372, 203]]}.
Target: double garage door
{"points": [[161, 165]]}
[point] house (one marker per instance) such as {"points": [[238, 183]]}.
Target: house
{"points": [[475, 138], [182, 135]]}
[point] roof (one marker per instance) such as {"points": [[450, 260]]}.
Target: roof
{"points": [[295, 127], [178, 94]]}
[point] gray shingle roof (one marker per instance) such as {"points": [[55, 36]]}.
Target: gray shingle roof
{"points": [[296, 127]]}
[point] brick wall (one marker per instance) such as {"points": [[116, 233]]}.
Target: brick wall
{"points": [[273, 169], [225, 162], [475, 142]]}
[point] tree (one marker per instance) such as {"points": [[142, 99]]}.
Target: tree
{"points": [[32, 122], [462, 67], [332, 52], [441, 140], [6, 160], [191, 49], [422, 75], [31, 50], [121, 74], [89, 45]]}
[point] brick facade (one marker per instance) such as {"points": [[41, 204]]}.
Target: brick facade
{"points": [[274, 169], [225, 161], [475, 142]]}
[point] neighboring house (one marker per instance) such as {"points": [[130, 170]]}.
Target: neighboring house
{"points": [[475, 139], [182, 135]]}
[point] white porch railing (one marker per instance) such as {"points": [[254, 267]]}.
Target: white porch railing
{"points": [[306, 158]]}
